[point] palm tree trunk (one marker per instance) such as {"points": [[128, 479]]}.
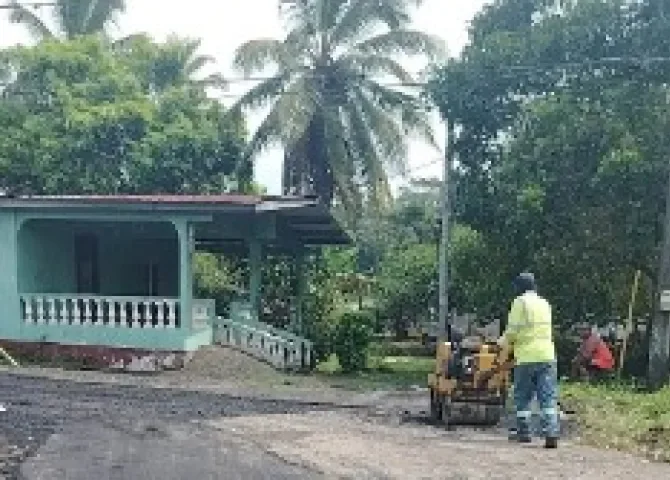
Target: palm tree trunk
{"points": [[306, 168], [317, 158]]}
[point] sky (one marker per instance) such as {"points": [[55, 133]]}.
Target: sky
{"points": [[223, 25]]}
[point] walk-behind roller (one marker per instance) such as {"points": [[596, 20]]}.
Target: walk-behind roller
{"points": [[470, 382]]}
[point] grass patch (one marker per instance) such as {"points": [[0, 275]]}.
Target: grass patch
{"points": [[383, 372], [621, 418]]}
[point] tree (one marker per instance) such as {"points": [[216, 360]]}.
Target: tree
{"points": [[557, 166], [580, 190], [69, 18], [78, 120], [342, 129], [407, 285], [176, 62], [479, 284]]}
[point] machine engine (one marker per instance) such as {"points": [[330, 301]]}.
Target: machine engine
{"points": [[470, 382]]}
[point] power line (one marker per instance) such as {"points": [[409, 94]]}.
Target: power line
{"points": [[494, 70], [602, 62], [10, 6]]}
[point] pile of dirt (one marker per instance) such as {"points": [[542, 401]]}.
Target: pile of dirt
{"points": [[226, 363], [229, 366]]}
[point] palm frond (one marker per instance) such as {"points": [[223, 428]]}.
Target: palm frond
{"points": [[263, 93], [374, 65], [370, 165], [35, 25], [287, 121], [342, 162], [406, 108], [214, 80], [256, 55], [193, 64], [406, 42], [331, 12], [387, 136], [360, 17], [99, 14]]}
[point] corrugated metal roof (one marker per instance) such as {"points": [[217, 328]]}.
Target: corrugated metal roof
{"points": [[316, 221], [224, 199]]}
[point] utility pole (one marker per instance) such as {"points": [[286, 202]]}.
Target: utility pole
{"points": [[444, 238], [659, 336]]}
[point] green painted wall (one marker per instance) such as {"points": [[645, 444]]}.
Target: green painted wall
{"points": [[47, 257], [141, 338], [10, 312]]}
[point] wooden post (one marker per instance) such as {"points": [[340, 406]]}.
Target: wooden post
{"points": [[629, 323]]}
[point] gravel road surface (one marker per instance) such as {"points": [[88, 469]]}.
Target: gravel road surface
{"points": [[66, 429]]}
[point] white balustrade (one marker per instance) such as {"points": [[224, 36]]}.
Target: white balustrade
{"points": [[281, 349], [85, 310]]}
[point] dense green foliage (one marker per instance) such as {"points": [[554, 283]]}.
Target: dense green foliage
{"points": [[78, 118], [563, 147], [351, 338], [408, 284]]}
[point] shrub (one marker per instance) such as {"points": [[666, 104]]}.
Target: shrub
{"points": [[352, 336], [218, 278]]}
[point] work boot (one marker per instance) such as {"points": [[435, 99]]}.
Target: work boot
{"points": [[551, 442], [513, 436]]}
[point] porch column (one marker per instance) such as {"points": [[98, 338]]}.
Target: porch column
{"points": [[186, 244], [300, 288], [255, 276]]}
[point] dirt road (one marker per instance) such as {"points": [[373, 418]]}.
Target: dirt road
{"points": [[63, 429]]}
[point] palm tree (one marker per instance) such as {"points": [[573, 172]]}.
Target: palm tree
{"points": [[69, 17], [174, 62], [342, 128]]}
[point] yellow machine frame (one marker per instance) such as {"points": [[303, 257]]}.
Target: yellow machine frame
{"points": [[478, 399]]}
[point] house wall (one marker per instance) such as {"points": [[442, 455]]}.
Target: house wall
{"points": [[46, 257], [9, 301], [37, 255]]}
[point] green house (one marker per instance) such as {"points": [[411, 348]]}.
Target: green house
{"points": [[111, 277]]}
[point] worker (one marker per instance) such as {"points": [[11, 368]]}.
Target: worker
{"points": [[529, 333], [594, 359]]}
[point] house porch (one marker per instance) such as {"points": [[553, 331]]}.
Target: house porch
{"points": [[111, 277]]}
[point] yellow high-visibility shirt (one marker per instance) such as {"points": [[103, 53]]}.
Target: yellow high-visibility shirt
{"points": [[529, 330]]}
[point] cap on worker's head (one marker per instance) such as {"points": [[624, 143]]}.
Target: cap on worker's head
{"points": [[525, 282]]}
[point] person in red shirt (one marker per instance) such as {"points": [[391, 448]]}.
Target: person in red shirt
{"points": [[594, 358]]}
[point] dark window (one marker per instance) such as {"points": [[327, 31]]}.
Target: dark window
{"points": [[152, 273], [86, 264]]}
